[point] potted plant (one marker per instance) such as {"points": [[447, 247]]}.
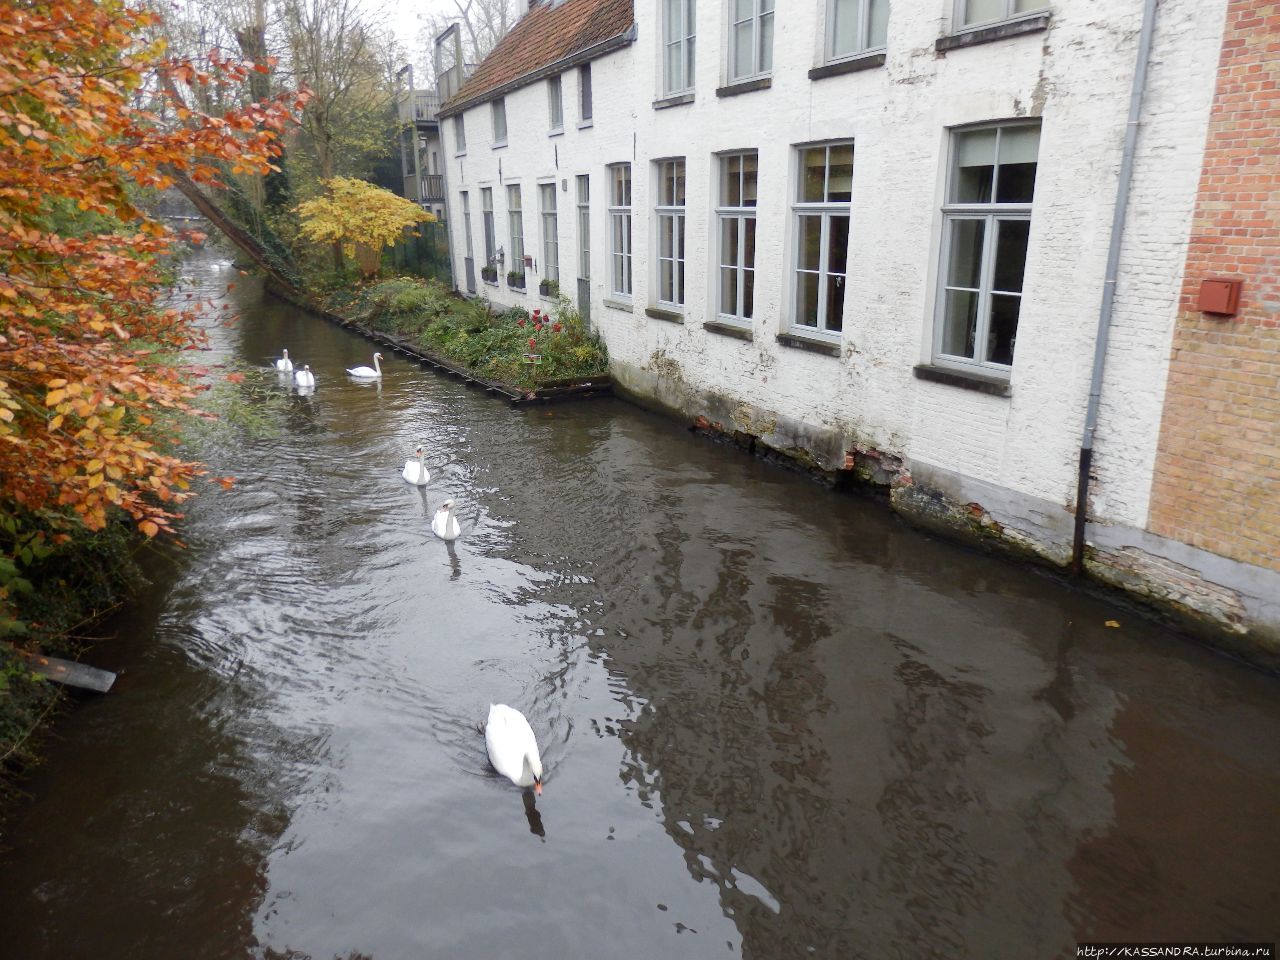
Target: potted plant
{"points": [[549, 288], [515, 279], [489, 274]]}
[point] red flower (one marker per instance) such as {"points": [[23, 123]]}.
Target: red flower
{"points": [[536, 312], [520, 322], [533, 344], [556, 327], [538, 327]]}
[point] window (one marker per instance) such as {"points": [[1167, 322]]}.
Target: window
{"points": [[750, 38], [856, 26], [974, 13], [486, 214], [555, 98], [986, 226], [550, 228], [677, 45], [466, 222], [736, 215], [620, 228], [515, 222], [500, 122], [584, 226], [459, 135], [584, 93], [670, 212], [822, 209]]}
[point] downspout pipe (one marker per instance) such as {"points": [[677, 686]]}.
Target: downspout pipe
{"points": [[1109, 284]]}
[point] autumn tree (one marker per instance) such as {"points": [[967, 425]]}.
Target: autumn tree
{"points": [[360, 217], [88, 343]]}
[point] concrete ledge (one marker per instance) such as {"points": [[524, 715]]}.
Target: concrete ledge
{"points": [[812, 344], [624, 305], [963, 379], [676, 100], [658, 313], [866, 62], [746, 86], [997, 31], [729, 330]]}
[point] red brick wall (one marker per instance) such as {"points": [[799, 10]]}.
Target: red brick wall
{"points": [[1217, 478]]}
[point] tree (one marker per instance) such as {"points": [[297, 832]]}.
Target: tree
{"points": [[360, 216], [88, 343], [484, 23]]}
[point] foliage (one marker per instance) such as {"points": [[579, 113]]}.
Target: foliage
{"points": [[359, 214]]}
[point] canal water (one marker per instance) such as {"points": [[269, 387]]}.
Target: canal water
{"points": [[776, 722]]}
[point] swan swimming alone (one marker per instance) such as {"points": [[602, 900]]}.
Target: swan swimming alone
{"points": [[304, 377], [444, 524], [368, 373], [415, 470], [513, 749], [284, 363]]}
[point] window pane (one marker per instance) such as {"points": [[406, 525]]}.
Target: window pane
{"points": [[748, 294], [837, 244], [878, 25], [980, 11], [835, 303], [691, 17], [810, 243], [749, 248], [749, 180], [729, 290], [666, 236], [731, 181], [844, 27], [766, 44], [1026, 6], [678, 174], [672, 63], [688, 59], [672, 17], [729, 253], [965, 269], [666, 281], [742, 9], [813, 168], [584, 91], [1016, 180], [1004, 328], [807, 299], [840, 175], [742, 49], [1011, 254], [960, 323], [975, 165]]}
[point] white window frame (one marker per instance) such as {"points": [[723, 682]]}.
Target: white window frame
{"points": [[584, 226], [555, 104], [585, 107], [864, 45], [827, 210], [678, 42], [669, 220], [1010, 13], [498, 112], [620, 260], [550, 231], [466, 223], [760, 10], [490, 233], [738, 217], [515, 227], [991, 214], [459, 136]]}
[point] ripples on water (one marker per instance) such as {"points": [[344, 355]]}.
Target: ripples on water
{"points": [[775, 722]]}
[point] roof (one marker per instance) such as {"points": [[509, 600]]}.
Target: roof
{"points": [[546, 35]]}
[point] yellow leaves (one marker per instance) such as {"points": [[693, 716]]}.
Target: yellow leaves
{"points": [[55, 397], [149, 527]]}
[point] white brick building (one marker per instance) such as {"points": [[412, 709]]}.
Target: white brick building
{"points": [[868, 233]]}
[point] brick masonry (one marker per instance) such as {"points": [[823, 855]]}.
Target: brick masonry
{"points": [[1217, 478]]}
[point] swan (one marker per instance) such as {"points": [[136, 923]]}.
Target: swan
{"points": [[415, 471], [304, 377], [368, 373], [284, 363], [513, 750], [444, 524]]}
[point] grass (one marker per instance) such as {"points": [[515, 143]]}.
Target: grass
{"points": [[468, 331]]}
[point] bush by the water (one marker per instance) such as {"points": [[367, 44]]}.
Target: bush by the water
{"points": [[468, 332]]}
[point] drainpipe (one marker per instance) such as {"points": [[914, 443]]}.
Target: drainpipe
{"points": [[1109, 285]]}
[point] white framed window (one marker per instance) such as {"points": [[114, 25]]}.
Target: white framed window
{"points": [[555, 103], [466, 223], [620, 229], [515, 225], [550, 232], [985, 231], [486, 216], [584, 93], [978, 13], [736, 230], [499, 108], [750, 38], [820, 217], [678, 35], [459, 136], [670, 216], [584, 226], [855, 27]]}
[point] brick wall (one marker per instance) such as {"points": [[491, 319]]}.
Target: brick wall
{"points": [[1217, 479]]}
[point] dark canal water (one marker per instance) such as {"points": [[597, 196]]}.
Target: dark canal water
{"points": [[776, 722]]}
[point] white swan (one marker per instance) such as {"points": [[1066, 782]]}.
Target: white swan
{"points": [[304, 377], [415, 470], [368, 373], [513, 749], [284, 363], [444, 524]]}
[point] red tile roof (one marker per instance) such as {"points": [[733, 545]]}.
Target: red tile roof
{"points": [[541, 37]]}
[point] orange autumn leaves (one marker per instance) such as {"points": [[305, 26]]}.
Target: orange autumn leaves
{"points": [[87, 114]]}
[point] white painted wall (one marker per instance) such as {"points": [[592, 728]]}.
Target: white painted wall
{"points": [[1075, 76]]}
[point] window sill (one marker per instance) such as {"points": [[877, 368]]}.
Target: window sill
{"points": [[963, 379], [661, 313], [489, 283], [867, 61], [673, 100], [744, 86], [830, 347], [586, 124], [626, 306], [729, 330], [994, 32], [498, 146], [558, 132], [457, 156]]}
